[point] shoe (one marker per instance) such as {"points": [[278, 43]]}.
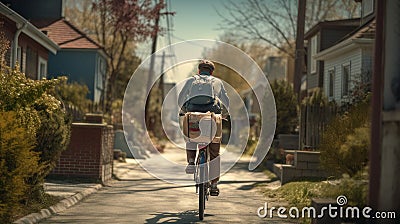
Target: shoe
{"points": [[190, 168], [214, 191]]}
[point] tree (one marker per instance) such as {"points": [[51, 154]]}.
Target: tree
{"points": [[118, 25], [286, 107], [274, 22]]}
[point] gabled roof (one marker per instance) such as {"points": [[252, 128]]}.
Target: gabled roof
{"points": [[29, 29], [363, 36], [365, 31], [355, 22], [66, 35]]}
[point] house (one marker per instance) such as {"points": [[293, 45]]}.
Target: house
{"points": [[339, 55], [80, 58], [30, 47], [350, 60], [320, 37]]}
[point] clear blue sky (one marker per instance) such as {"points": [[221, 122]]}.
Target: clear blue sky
{"points": [[196, 19]]}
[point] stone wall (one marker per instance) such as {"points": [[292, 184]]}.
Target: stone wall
{"points": [[306, 165]]}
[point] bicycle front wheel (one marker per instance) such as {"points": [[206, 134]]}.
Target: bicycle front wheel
{"points": [[202, 198]]}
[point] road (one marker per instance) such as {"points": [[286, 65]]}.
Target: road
{"points": [[141, 198]]}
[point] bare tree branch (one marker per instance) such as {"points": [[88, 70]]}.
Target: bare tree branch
{"points": [[274, 21]]}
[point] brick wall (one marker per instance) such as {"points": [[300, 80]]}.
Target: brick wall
{"points": [[89, 154]]}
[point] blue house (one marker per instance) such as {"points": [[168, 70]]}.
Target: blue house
{"points": [[79, 58]]}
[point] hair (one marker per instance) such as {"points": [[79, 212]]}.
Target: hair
{"points": [[208, 70]]}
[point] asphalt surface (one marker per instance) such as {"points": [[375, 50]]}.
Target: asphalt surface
{"points": [[141, 198]]}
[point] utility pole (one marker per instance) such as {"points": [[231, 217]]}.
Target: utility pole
{"points": [[161, 83], [376, 122], [148, 119], [299, 59]]}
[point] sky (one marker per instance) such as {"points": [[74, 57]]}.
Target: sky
{"points": [[192, 20], [196, 19]]}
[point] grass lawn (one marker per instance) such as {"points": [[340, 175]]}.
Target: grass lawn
{"points": [[299, 193]]}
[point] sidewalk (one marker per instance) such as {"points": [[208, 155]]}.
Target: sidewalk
{"points": [[71, 193], [121, 168]]}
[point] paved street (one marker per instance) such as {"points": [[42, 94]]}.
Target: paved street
{"points": [[141, 198]]}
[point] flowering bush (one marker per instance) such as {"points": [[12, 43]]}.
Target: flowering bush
{"points": [[26, 96], [34, 131]]}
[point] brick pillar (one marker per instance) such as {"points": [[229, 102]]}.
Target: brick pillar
{"points": [[89, 154]]}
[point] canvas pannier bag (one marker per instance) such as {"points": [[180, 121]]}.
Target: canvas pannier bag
{"points": [[202, 132]]}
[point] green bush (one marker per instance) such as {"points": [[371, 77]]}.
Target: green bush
{"points": [[286, 107], [18, 162], [345, 141], [73, 94], [317, 99], [26, 96], [52, 137], [40, 112]]}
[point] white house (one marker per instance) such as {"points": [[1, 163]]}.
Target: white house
{"points": [[347, 62], [351, 59]]}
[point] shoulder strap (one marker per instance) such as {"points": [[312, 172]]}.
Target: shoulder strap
{"points": [[196, 77]]}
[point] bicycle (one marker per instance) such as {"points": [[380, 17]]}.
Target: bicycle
{"points": [[201, 174], [201, 177]]}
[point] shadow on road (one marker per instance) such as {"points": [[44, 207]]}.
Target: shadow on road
{"points": [[253, 183], [190, 216]]}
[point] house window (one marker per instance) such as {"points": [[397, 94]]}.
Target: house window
{"points": [[42, 68], [367, 7], [346, 79], [313, 64], [331, 86], [19, 58], [31, 63]]}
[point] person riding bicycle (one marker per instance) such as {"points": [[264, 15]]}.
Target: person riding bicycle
{"points": [[204, 104]]}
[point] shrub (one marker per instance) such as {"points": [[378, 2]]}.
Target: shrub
{"points": [[345, 141], [18, 162], [26, 96], [73, 94], [52, 137], [41, 114], [286, 107]]}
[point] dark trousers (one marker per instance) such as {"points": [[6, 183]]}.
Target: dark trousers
{"points": [[214, 155]]}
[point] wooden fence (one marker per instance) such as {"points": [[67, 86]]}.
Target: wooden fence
{"points": [[313, 121]]}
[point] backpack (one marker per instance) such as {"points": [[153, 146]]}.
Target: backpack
{"points": [[202, 91], [201, 96]]}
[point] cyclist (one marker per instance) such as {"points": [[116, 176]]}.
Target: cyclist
{"points": [[204, 104]]}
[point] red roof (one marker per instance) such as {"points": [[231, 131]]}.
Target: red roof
{"points": [[66, 35]]}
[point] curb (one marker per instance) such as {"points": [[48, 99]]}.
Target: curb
{"points": [[59, 207]]}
